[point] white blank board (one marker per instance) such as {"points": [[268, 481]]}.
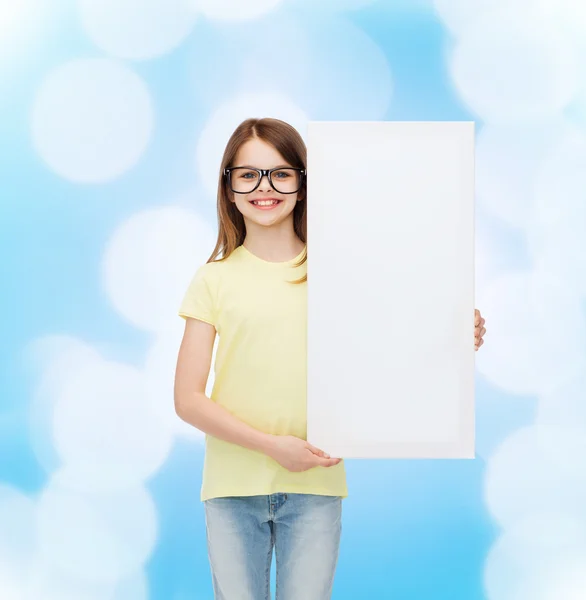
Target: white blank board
{"points": [[391, 289]]}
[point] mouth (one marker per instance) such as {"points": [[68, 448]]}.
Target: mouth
{"points": [[266, 204]]}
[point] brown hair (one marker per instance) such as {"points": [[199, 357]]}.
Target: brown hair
{"points": [[287, 141]]}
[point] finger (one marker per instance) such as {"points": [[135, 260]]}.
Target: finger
{"points": [[329, 462], [317, 451], [479, 332]]}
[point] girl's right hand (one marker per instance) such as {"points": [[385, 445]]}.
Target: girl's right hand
{"points": [[297, 455]]}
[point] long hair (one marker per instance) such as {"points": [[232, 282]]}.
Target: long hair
{"points": [[287, 141]]}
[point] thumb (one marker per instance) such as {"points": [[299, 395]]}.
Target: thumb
{"points": [[317, 451]]}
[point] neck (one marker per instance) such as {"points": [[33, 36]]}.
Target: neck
{"points": [[277, 244]]}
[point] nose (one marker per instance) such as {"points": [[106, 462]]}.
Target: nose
{"points": [[265, 186]]}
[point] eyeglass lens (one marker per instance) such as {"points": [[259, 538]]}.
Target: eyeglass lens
{"points": [[285, 181]]}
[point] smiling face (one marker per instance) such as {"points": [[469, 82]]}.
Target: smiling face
{"points": [[264, 206]]}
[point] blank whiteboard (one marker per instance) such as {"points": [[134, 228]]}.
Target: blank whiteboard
{"points": [[391, 289]]}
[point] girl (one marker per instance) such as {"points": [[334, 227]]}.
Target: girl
{"points": [[264, 486]]}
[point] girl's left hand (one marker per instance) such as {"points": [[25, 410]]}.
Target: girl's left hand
{"points": [[479, 329]]}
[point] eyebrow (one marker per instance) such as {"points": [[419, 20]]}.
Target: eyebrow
{"points": [[283, 166]]}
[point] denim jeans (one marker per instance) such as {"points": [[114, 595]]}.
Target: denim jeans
{"points": [[304, 531]]}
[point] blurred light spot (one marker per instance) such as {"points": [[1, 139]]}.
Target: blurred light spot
{"points": [[565, 447], [47, 582], [13, 15], [556, 233], [234, 10], [149, 262], [564, 406], [522, 563], [238, 51], [459, 15], [159, 373], [509, 70], [337, 84], [566, 580], [569, 15], [10, 588], [494, 253], [104, 428], [537, 331], [18, 533], [97, 538], [524, 474], [337, 5], [91, 120], [228, 116], [137, 29], [508, 160], [497, 415], [319, 66], [51, 359], [561, 178], [132, 588]]}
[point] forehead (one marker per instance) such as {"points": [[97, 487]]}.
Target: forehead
{"points": [[257, 153]]}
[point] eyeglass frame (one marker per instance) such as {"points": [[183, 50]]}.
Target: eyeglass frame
{"points": [[269, 175]]}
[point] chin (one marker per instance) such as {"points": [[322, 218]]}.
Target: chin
{"points": [[264, 220]]}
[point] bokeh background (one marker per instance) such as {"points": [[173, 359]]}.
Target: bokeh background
{"points": [[113, 118]]}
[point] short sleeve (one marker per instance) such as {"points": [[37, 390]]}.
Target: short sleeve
{"points": [[198, 301]]}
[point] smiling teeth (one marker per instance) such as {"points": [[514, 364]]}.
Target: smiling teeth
{"points": [[265, 202]]}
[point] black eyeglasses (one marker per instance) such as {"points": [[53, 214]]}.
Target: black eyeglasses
{"points": [[285, 180]]}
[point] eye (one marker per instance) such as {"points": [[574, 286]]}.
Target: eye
{"points": [[248, 175]]}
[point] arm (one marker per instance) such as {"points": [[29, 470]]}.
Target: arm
{"points": [[191, 403], [195, 408]]}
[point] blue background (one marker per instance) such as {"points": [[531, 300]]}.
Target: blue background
{"points": [[412, 530]]}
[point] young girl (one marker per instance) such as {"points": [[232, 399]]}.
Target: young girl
{"points": [[264, 486]]}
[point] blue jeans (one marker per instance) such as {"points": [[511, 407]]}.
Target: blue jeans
{"points": [[304, 531]]}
